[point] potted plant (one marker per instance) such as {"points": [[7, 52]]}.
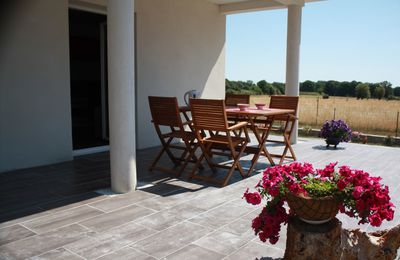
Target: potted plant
{"points": [[335, 131], [353, 192]]}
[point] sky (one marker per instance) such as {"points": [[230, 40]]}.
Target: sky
{"points": [[341, 40]]}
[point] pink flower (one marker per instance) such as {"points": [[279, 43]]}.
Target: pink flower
{"points": [[256, 223], [361, 205], [273, 239], [387, 214], [295, 188], [345, 171], [273, 192], [357, 192], [252, 197], [328, 170], [341, 184], [375, 220]]}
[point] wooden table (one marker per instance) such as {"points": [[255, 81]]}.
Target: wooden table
{"points": [[252, 115]]}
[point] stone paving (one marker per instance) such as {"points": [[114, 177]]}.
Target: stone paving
{"points": [[66, 210]]}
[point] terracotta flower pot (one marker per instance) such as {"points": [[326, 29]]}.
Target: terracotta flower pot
{"points": [[313, 210]]}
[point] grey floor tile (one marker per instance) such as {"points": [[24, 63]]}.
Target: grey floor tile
{"points": [[194, 252], [40, 244], [255, 250], [221, 242], [57, 254], [24, 215], [116, 218], [72, 202], [62, 218], [211, 200], [224, 242], [14, 233], [131, 233], [96, 244], [160, 220], [127, 253], [169, 200], [171, 240], [121, 200], [93, 245], [161, 203], [238, 227], [186, 210], [222, 215]]}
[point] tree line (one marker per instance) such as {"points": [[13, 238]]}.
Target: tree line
{"points": [[360, 90]]}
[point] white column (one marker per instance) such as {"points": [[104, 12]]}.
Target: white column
{"points": [[292, 87], [121, 94]]}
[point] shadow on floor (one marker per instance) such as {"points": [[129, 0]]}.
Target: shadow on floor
{"points": [[34, 190], [324, 148]]}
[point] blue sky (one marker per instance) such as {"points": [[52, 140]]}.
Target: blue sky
{"points": [[341, 40]]}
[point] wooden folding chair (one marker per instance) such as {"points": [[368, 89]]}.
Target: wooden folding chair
{"points": [[210, 116], [231, 100], [170, 129], [287, 123]]}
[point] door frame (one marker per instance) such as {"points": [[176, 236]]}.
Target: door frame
{"points": [[81, 6]]}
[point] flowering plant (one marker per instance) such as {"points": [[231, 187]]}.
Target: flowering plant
{"points": [[336, 129], [360, 195]]}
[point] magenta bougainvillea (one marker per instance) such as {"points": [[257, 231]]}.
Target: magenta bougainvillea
{"points": [[361, 196]]}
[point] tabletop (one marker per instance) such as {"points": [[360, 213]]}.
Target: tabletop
{"points": [[252, 111]]}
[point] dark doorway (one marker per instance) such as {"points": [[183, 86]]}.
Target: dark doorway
{"points": [[88, 66]]}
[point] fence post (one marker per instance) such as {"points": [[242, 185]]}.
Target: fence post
{"points": [[316, 118], [397, 123], [334, 113]]}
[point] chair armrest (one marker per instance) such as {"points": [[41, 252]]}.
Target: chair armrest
{"points": [[187, 122], [237, 126]]}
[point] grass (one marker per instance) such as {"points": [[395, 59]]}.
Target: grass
{"points": [[369, 116]]}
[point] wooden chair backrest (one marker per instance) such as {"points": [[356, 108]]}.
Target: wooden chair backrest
{"points": [[284, 102], [165, 111], [234, 99], [208, 114]]}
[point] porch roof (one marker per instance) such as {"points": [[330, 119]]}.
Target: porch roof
{"points": [[240, 6], [225, 6]]}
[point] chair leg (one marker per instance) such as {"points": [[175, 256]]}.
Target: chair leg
{"points": [[227, 177], [168, 151], [164, 149], [190, 150], [207, 152], [283, 156], [235, 165], [156, 159], [194, 147], [288, 146], [203, 156], [239, 166], [196, 166]]}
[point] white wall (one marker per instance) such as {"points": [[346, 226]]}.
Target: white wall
{"points": [[180, 46], [35, 113]]}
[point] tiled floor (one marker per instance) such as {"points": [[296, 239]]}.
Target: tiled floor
{"points": [[53, 212]]}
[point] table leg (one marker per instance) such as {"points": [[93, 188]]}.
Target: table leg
{"points": [[261, 149]]}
